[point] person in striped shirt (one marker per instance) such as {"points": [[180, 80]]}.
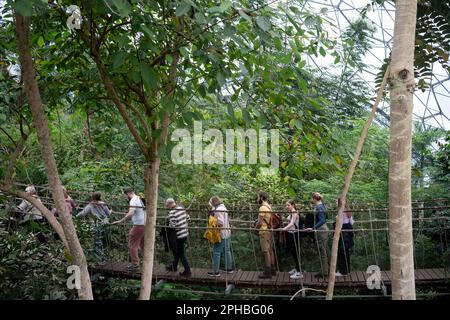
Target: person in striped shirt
{"points": [[178, 219]]}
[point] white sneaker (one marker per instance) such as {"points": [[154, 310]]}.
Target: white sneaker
{"points": [[293, 271], [338, 274], [296, 275]]}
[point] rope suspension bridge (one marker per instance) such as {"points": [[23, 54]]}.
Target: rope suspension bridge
{"points": [[431, 223]]}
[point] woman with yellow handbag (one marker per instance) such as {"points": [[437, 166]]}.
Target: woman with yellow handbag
{"points": [[219, 234]]}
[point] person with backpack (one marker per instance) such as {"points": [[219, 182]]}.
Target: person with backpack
{"points": [[100, 213], [219, 211], [293, 238], [265, 235], [320, 230], [345, 242]]}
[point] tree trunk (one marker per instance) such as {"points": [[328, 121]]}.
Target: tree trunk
{"points": [[151, 181], [401, 95], [41, 125]]}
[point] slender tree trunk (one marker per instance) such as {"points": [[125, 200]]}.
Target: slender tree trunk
{"points": [[41, 125], [151, 181], [401, 94], [348, 179]]}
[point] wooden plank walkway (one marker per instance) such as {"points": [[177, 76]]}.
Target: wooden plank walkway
{"points": [[250, 278]]}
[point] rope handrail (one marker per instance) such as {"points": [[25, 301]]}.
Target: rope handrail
{"points": [[297, 230], [384, 208], [249, 211]]}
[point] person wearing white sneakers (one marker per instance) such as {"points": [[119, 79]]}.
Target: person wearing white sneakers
{"points": [[224, 246], [293, 238]]}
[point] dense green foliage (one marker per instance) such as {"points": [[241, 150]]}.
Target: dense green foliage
{"points": [[242, 66]]}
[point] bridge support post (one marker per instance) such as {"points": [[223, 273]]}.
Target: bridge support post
{"points": [[229, 288], [384, 290], [421, 215], [159, 285]]}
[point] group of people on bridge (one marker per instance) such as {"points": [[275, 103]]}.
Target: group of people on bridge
{"points": [[269, 227]]}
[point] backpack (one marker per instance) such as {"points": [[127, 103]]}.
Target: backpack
{"points": [[276, 221], [212, 234]]}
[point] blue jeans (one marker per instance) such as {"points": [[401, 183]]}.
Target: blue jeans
{"points": [[225, 244], [99, 252]]}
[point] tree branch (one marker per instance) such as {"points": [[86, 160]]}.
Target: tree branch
{"points": [[104, 33], [141, 119], [112, 92], [9, 137], [43, 209], [110, 88], [9, 174]]}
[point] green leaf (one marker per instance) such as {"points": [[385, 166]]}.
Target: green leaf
{"points": [[123, 41], [263, 23], [286, 58], [277, 43], [291, 124], [310, 21], [220, 78], [303, 85], [187, 117], [215, 9], [245, 16], [202, 90], [231, 113], [182, 9], [314, 103], [184, 52], [301, 64], [149, 76], [23, 7], [246, 116], [118, 59], [148, 32], [337, 59], [122, 7], [197, 115], [200, 18], [225, 5], [229, 31], [322, 52], [40, 41]]}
